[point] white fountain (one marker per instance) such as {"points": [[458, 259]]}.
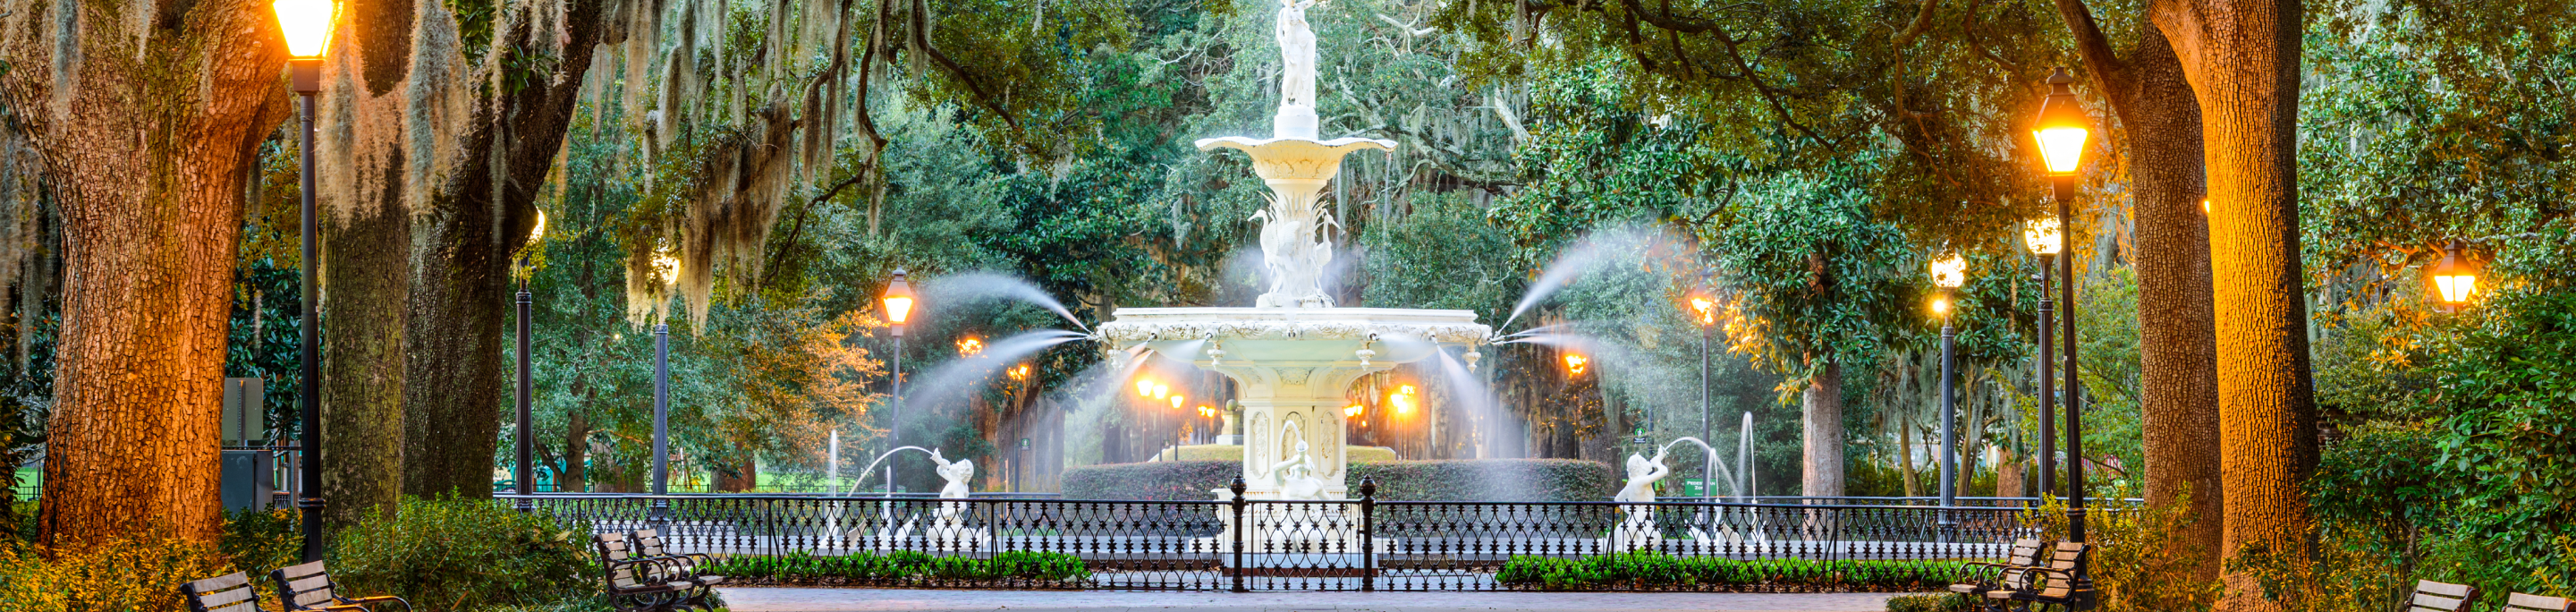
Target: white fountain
{"points": [[1293, 355]]}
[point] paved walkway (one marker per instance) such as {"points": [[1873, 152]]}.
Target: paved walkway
{"points": [[791, 599]]}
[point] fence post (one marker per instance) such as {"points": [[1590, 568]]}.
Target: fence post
{"points": [[1235, 570], [1368, 534]]}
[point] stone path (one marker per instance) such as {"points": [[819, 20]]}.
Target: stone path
{"points": [[791, 599]]}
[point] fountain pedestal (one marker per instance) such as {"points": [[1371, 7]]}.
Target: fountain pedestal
{"points": [[1293, 368]]}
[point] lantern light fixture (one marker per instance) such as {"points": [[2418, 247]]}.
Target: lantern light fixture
{"points": [[2043, 235], [2062, 127], [2453, 278], [898, 299]]}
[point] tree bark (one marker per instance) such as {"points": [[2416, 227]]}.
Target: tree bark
{"points": [[471, 225], [152, 122], [366, 239], [2177, 342], [1823, 416], [2242, 60]]}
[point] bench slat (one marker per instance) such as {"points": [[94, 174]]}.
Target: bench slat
{"points": [[219, 583], [2526, 602]]}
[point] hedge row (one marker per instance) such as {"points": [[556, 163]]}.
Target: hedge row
{"points": [[1654, 570], [901, 568], [1477, 479]]}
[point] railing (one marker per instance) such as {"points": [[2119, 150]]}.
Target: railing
{"points": [[1361, 544]]}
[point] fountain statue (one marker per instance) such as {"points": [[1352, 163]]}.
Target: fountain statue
{"points": [[1637, 528], [948, 529], [1293, 354]]}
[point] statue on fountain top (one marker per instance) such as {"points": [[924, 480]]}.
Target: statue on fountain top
{"points": [[1296, 54]]}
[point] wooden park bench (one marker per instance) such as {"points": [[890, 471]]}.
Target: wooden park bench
{"points": [[2430, 596], [2525, 602], [309, 587], [637, 583], [683, 566], [1979, 577], [227, 593], [2052, 584]]}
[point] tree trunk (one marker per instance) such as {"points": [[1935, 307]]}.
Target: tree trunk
{"points": [[366, 239], [2177, 361], [472, 223], [1823, 415], [574, 478], [152, 133], [2242, 60], [2177, 342]]}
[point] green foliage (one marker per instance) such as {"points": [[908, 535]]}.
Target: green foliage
{"points": [[138, 572], [1651, 569], [2134, 563], [1489, 480], [459, 554], [1946, 602], [901, 568], [261, 540]]}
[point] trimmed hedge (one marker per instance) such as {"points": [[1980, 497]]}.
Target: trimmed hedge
{"points": [[1490, 480], [1459, 480], [1944, 602], [901, 568], [1656, 570], [1234, 452]]}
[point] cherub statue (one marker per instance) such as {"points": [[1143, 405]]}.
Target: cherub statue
{"points": [[1642, 474], [1295, 476], [956, 473]]}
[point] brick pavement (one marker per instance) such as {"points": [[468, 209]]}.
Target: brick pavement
{"points": [[793, 599]]}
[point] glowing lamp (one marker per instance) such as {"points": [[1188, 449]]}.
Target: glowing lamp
{"points": [[1574, 364], [2062, 127], [539, 232], [307, 25], [1707, 310], [1402, 399], [1176, 402], [2453, 278], [898, 299], [1162, 391], [1144, 387], [1950, 272], [1352, 411], [970, 347], [2043, 235], [1941, 304]]}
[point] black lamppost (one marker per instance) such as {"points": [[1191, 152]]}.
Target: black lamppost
{"points": [[307, 25], [1707, 330], [2061, 131], [525, 474], [1948, 274], [2042, 235], [2454, 279], [667, 270], [898, 309]]}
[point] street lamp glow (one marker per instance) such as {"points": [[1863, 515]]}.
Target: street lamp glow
{"points": [[1162, 391], [1950, 272], [1144, 387], [1575, 363], [307, 25], [2062, 127], [1401, 399], [2043, 235], [1941, 304], [1707, 309], [2453, 278], [539, 232], [1352, 411], [970, 347], [898, 299], [1176, 401]]}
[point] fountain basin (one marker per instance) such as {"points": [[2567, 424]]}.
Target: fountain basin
{"points": [[1292, 369]]}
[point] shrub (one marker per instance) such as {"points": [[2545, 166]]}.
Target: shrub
{"points": [[458, 554], [901, 567], [1944, 602], [1478, 479], [1656, 569], [2134, 566], [1489, 480], [139, 572]]}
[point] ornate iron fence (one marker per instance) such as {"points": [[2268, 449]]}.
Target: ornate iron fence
{"points": [[1361, 544]]}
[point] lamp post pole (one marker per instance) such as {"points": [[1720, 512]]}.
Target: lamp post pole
{"points": [[1949, 418], [894, 419], [2047, 377], [661, 423], [2061, 130], [525, 474], [1708, 466], [308, 81]]}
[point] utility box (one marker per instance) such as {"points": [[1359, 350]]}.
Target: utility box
{"points": [[245, 412], [249, 480]]}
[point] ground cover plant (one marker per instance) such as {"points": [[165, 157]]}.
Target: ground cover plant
{"points": [[1652, 570], [902, 568]]}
